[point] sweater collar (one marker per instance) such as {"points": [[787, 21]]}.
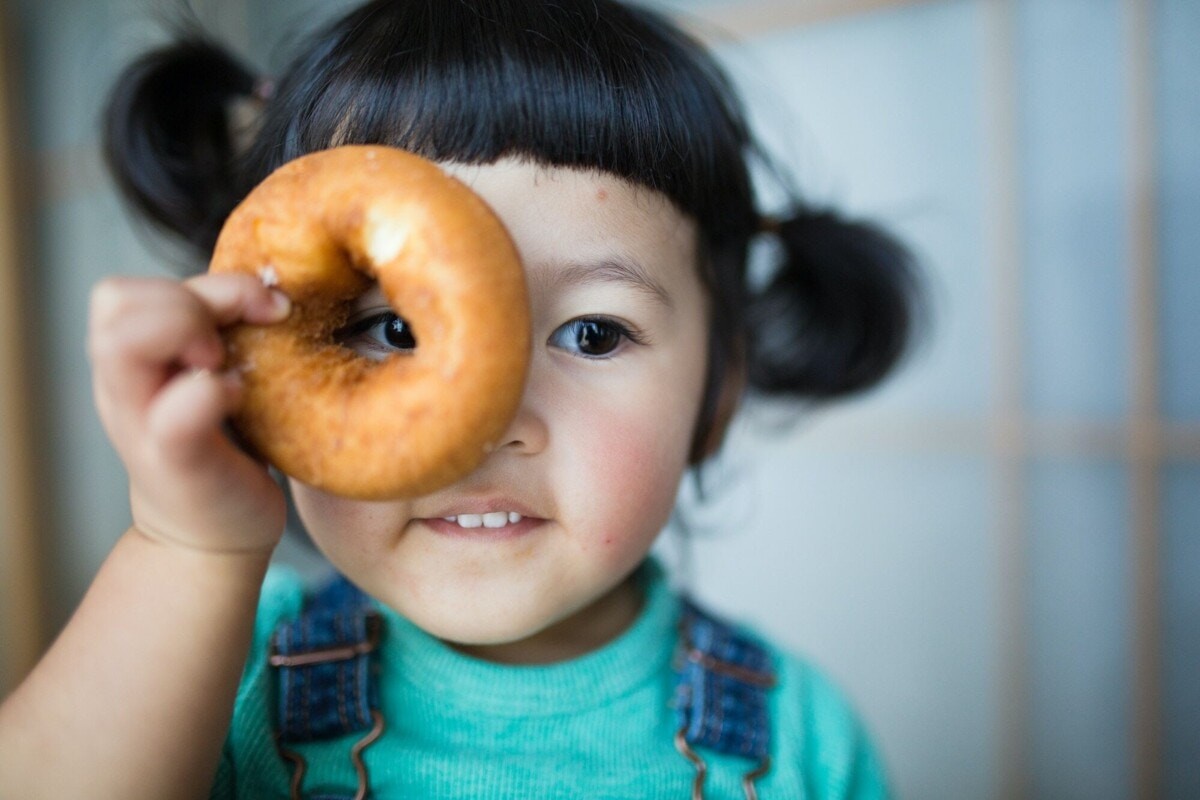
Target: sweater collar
{"points": [[634, 657]]}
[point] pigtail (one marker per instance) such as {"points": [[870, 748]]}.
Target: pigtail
{"points": [[169, 137], [837, 314]]}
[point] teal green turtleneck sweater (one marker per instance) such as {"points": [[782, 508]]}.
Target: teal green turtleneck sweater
{"points": [[599, 726]]}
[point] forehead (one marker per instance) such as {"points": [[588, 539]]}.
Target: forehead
{"points": [[564, 220]]}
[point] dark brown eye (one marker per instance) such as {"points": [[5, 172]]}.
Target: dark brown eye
{"points": [[591, 337], [378, 335]]}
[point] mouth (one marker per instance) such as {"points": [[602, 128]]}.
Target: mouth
{"points": [[470, 526], [490, 520]]}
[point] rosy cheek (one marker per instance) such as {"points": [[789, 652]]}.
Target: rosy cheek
{"points": [[629, 476]]}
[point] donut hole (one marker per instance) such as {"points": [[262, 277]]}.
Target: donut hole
{"points": [[370, 324]]}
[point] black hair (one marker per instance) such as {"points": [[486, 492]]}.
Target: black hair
{"points": [[594, 84]]}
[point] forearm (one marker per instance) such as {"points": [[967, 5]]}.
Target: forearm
{"points": [[134, 698]]}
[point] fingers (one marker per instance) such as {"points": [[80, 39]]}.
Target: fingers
{"points": [[240, 298], [141, 331], [144, 331], [147, 334], [156, 319], [188, 413]]}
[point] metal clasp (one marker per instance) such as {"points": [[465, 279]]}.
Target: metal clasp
{"points": [[691, 755], [300, 766], [701, 768]]}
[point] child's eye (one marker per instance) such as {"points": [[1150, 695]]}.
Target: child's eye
{"points": [[377, 335], [593, 337]]}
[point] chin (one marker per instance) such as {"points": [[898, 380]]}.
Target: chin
{"points": [[471, 625]]}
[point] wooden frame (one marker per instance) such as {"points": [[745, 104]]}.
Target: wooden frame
{"points": [[22, 624], [1146, 452]]}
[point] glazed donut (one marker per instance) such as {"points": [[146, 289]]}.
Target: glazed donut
{"points": [[323, 228]]}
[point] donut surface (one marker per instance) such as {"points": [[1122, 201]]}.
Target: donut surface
{"points": [[323, 228]]}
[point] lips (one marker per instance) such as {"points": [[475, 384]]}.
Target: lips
{"points": [[484, 517], [509, 530]]}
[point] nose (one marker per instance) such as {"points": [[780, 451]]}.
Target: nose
{"points": [[528, 433]]}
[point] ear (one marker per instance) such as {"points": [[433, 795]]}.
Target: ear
{"points": [[729, 398]]}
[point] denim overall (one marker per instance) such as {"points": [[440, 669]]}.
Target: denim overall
{"points": [[327, 687]]}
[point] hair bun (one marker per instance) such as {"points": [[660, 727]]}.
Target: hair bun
{"points": [[169, 140], [837, 314]]}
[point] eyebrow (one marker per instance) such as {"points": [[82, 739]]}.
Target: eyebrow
{"points": [[614, 269]]}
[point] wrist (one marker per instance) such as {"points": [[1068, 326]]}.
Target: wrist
{"points": [[216, 531], [256, 555]]}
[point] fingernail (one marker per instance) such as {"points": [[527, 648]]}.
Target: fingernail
{"points": [[281, 304]]}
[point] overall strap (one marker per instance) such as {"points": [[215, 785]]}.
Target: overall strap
{"points": [[721, 702], [326, 678]]}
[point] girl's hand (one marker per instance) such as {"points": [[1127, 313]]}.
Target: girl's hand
{"points": [[163, 396]]}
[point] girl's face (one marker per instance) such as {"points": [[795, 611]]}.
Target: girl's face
{"points": [[593, 459]]}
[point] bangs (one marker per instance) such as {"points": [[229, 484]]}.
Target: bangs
{"points": [[575, 83]]}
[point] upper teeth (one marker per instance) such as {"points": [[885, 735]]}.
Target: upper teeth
{"points": [[493, 519]]}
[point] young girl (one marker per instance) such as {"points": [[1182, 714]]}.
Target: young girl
{"points": [[509, 635]]}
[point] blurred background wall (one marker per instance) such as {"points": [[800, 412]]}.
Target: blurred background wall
{"points": [[996, 554]]}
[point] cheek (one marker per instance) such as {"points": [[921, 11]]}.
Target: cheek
{"points": [[630, 471]]}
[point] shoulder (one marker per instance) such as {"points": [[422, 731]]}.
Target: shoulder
{"points": [[821, 728], [820, 738]]}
